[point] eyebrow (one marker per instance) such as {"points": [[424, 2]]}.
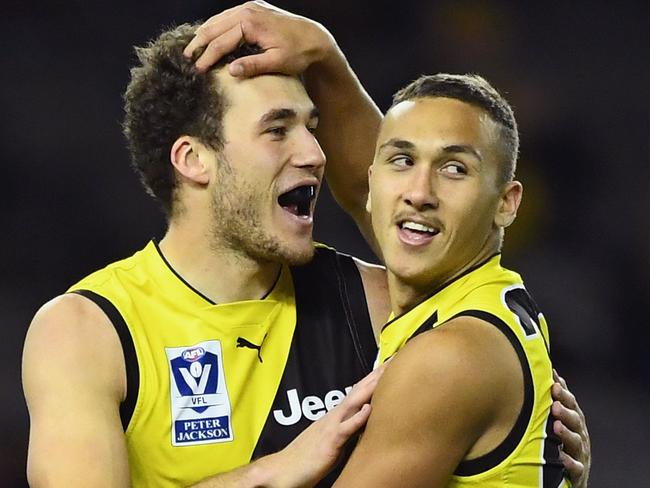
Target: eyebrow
{"points": [[284, 114], [463, 148], [450, 149], [397, 143]]}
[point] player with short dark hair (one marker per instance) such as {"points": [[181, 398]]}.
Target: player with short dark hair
{"points": [[475, 90], [467, 399]]}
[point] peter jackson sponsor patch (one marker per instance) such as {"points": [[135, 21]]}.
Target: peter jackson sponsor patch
{"points": [[200, 406]]}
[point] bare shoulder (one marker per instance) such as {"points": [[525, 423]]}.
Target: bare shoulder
{"points": [[466, 365], [464, 348], [72, 336], [74, 381], [438, 401], [375, 285]]}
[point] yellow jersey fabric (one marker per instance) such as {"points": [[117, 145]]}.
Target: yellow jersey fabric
{"points": [[529, 456], [208, 376]]}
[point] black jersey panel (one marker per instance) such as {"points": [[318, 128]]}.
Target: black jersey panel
{"points": [[128, 349], [333, 347]]}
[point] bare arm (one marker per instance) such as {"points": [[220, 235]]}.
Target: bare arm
{"points": [[311, 455], [435, 404], [73, 377], [294, 45], [74, 380], [347, 131]]}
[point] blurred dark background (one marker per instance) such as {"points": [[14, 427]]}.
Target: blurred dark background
{"points": [[576, 72]]}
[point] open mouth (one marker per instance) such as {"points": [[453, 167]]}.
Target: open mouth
{"points": [[299, 200], [417, 233], [418, 229]]}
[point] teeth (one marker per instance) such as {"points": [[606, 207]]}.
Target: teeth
{"points": [[418, 227]]}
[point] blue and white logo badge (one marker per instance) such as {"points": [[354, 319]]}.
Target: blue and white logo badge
{"points": [[199, 397]]}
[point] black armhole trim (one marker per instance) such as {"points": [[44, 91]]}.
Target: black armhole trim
{"points": [[354, 302], [128, 348], [502, 451]]}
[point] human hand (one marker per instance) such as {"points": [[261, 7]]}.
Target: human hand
{"points": [[311, 455], [571, 427], [289, 43]]}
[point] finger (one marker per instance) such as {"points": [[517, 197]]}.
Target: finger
{"points": [[219, 24], [570, 418], [559, 379], [212, 28], [574, 468], [375, 374], [358, 396], [571, 442], [355, 422], [219, 47], [362, 391], [256, 64], [568, 399]]}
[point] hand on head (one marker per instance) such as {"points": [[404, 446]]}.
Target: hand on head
{"points": [[289, 43]]}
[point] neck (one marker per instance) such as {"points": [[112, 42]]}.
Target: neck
{"points": [[403, 296], [221, 274], [406, 294]]}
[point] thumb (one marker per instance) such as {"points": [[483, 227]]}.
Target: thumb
{"points": [[253, 65]]}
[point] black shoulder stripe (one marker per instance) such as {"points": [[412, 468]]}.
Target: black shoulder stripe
{"points": [[128, 349], [509, 444], [443, 286], [353, 297], [426, 325]]}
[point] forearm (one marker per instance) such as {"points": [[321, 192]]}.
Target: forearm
{"points": [[264, 472], [311, 455], [347, 130]]}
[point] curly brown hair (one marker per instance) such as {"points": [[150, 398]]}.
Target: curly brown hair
{"points": [[167, 97]]}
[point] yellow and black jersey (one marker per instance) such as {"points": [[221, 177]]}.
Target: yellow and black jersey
{"points": [[529, 456], [211, 386]]}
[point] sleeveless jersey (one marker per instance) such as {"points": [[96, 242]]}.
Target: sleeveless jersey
{"points": [[529, 456], [212, 386]]}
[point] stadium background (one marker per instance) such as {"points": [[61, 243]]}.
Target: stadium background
{"points": [[576, 72]]}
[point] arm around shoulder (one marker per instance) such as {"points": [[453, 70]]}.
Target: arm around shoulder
{"points": [[347, 131], [313, 453], [74, 380], [434, 404]]}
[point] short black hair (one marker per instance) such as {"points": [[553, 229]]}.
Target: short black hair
{"points": [[167, 97], [475, 90]]}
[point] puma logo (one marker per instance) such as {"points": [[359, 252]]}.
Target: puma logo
{"points": [[241, 342]]}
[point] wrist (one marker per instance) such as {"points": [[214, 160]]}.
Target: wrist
{"points": [[324, 53], [266, 472]]}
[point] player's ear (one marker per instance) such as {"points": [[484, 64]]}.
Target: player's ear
{"points": [[508, 204], [188, 156], [368, 201]]}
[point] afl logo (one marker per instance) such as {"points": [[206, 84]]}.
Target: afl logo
{"points": [[193, 354]]}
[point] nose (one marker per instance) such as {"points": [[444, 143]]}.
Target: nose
{"points": [[420, 193], [307, 152]]}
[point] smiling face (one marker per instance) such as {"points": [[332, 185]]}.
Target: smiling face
{"points": [[437, 207], [269, 170]]}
